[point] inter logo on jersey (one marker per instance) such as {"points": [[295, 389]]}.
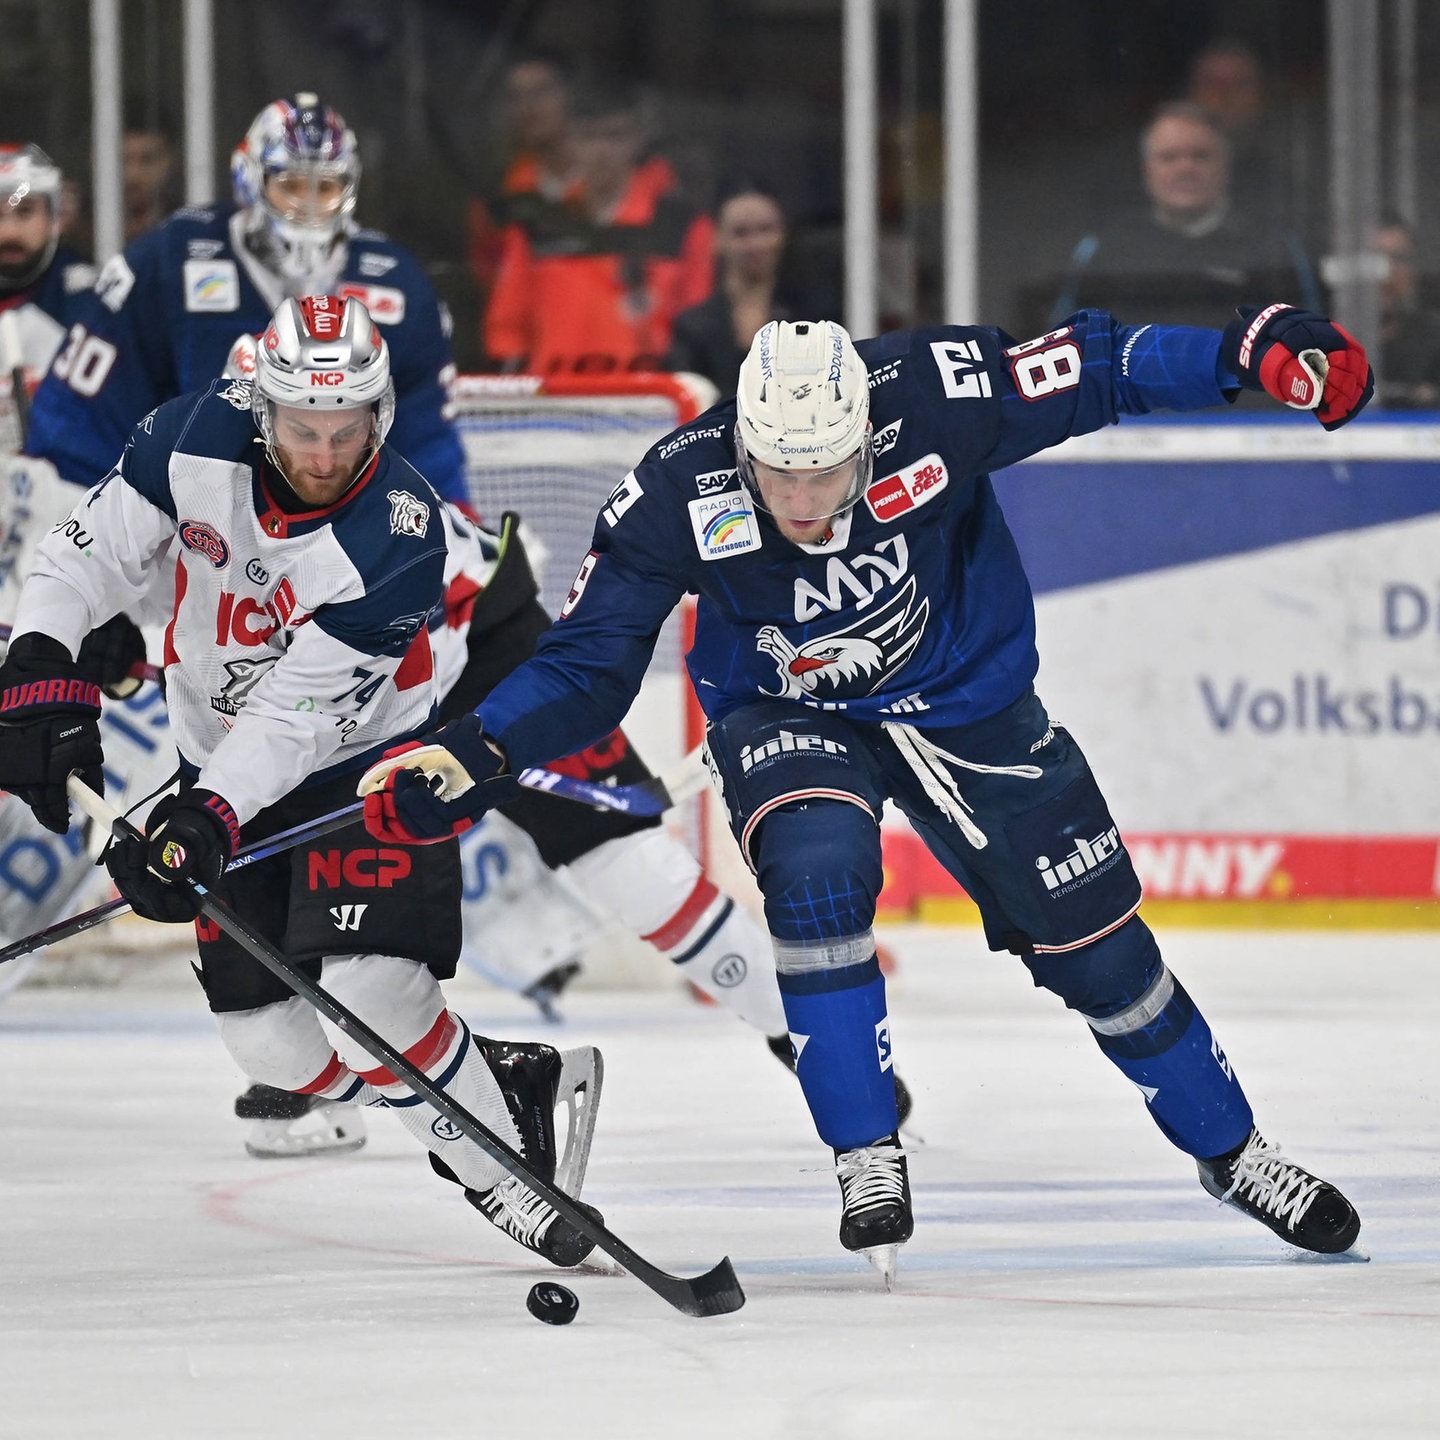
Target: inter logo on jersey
{"points": [[900, 493], [723, 526]]}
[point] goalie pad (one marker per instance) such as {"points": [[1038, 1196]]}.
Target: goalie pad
{"points": [[521, 922]]}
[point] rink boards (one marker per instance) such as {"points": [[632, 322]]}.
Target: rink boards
{"points": [[1240, 622]]}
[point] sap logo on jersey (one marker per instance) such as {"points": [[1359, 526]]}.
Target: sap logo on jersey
{"points": [[211, 286], [385, 304], [408, 516], [723, 526], [713, 481], [885, 440], [900, 493]]}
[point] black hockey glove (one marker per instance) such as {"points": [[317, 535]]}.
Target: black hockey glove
{"points": [[1300, 359], [108, 654], [192, 837], [49, 714]]}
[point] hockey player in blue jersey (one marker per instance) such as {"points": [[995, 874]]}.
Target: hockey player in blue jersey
{"points": [[164, 314], [865, 632], [308, 558]]}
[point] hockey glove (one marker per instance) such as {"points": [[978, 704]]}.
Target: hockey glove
{"points": [[109, 653], [1301, 359], [49, 714], [419, 794], [191, 838]]}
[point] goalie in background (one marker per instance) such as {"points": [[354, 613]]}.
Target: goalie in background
{"points": [[309, 556]]}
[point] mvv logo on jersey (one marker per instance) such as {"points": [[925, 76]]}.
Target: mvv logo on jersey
{"points": [[723, 525], [913, 486]]}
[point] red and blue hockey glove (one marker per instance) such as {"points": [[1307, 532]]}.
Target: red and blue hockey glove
{"points": [[419, 794], [192, 837], [49, 727], [1301, 359]]}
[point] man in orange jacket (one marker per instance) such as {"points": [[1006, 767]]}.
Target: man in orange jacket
{"points": [[591, 282]]}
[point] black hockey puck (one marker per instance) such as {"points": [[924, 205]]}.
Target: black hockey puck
{"points": [[552, 1303]]}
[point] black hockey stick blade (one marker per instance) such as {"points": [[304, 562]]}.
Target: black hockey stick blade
{"points": [[717, 1292]]}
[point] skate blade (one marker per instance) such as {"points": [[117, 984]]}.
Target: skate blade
{"points": [[1355, 1255], [327, 1130], [582, 1076], [886, 1260]]}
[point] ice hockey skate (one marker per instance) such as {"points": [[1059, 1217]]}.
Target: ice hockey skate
{"points": [[875, 1193], [537, 1081], [284, 1126], [784, 1052], [1302, 1210]]}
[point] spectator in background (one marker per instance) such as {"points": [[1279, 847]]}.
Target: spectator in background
{"points": [[1409, 335], [713, 337], [149, 178], [541, 171], [1187, 256], [593, 283]]}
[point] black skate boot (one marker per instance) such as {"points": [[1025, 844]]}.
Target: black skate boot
{"points": [[784, 1052], [534, 1079], [875, 1195], [545, 991], [1306, 1212], [284, 1125]]}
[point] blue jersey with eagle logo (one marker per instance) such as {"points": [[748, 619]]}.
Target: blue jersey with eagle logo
{"points": [[915, 605]]}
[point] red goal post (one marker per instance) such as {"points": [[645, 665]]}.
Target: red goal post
{"points": [[552, 448]]}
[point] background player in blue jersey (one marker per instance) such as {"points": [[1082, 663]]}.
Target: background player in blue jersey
{"points": [[164, 314], [308, 557], [865, 632]]}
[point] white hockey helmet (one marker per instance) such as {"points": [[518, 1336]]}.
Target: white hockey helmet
{"points": [[297, 137], [26, 171], [322, 353], [803, 404]]}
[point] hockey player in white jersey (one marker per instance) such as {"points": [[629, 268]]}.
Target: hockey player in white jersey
{"points": [[308, 556], [41, 282]]}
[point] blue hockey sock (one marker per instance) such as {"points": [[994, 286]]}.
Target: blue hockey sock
{"points": [[841, 1034], [1164, 1047]]}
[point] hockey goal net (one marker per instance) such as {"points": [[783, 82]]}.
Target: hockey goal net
{"points": [[552, 450]]}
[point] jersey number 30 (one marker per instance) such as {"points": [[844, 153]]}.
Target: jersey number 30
{"points": [[84, 362]]}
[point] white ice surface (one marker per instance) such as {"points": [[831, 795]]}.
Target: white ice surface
{"points": [[1067, 1278]]}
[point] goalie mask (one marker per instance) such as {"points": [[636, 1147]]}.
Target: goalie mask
{"points": [[296, 175], [803, 410], [28, 175], [322, 355]]}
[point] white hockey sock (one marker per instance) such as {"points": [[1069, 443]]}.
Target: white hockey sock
{"points": [[285, 1046], [654, 885], [401, 1001]]}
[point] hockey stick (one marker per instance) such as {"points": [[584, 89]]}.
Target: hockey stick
{"points": [[140, 670], [261, 850], [650, 797], [717, 1292]]}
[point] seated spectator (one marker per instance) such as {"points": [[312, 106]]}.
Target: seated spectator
{"points": [[149, 177], [712, 338], [1409, 336], [1187, 256], [592, 283], [541, 170]]}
